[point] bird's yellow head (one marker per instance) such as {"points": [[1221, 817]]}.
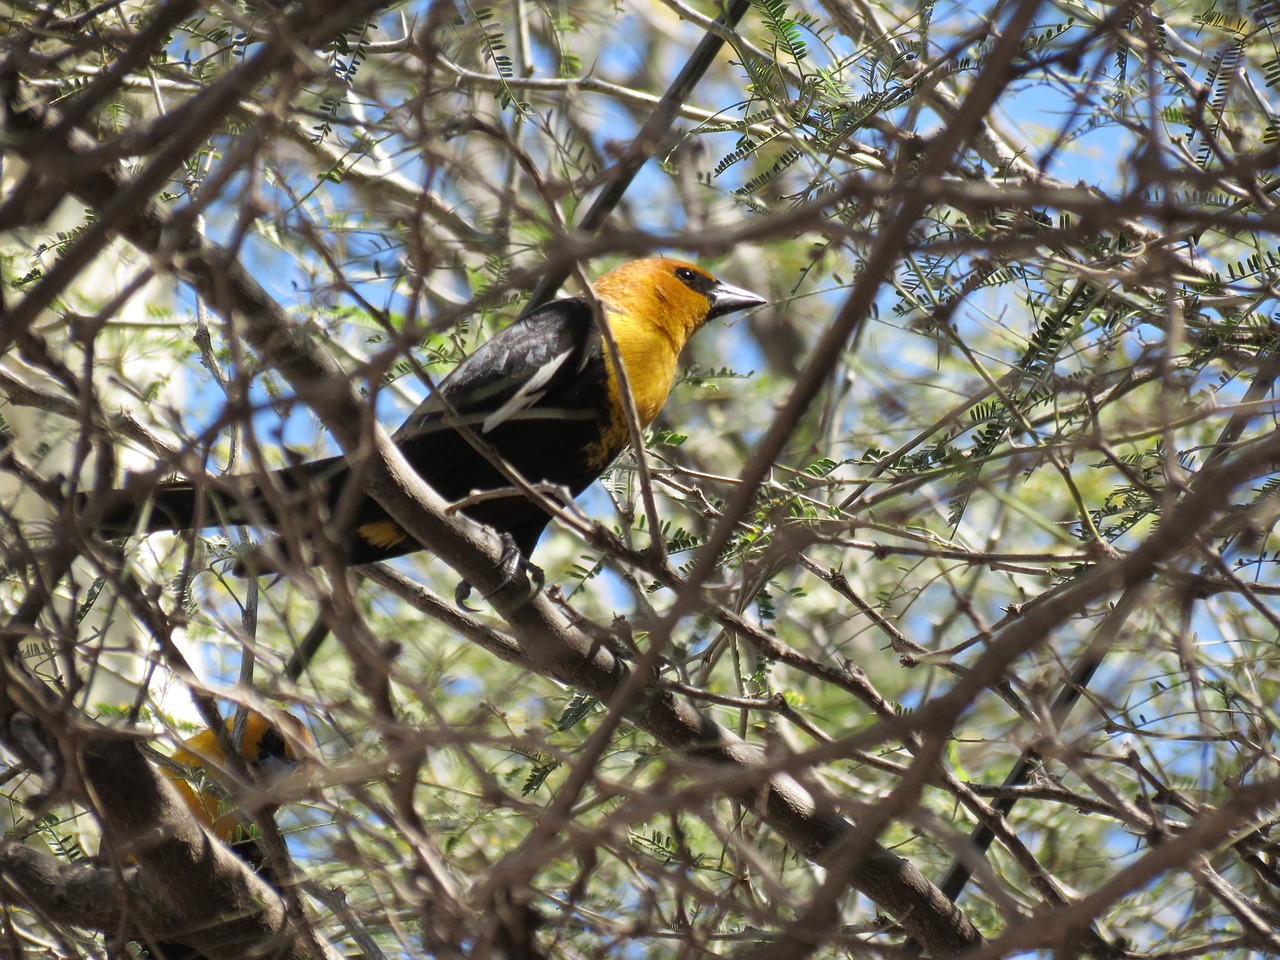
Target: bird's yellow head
{"points": [[653, 307], [675, 296], [272, 748]]}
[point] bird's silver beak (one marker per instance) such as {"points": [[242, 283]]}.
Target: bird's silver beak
{"points": [[726, 298]]}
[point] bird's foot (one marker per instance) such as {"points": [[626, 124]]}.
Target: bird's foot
{"points": [[512, 564], [460, 594]]}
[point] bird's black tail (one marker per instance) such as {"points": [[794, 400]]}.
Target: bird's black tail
{"points": [[171, 505], [144, 506], [131, 509]]}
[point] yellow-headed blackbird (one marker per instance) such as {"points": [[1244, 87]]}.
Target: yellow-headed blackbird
{"points": [[269, 752], [542, 396]]}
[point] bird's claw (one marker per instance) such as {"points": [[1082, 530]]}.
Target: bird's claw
{"points": [[460, 594], [511, 565]]}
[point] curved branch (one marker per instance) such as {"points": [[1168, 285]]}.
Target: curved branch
{"points": [[68, 893]]}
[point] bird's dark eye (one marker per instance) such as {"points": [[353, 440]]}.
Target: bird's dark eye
{"points": [[695, 280], [272, 745]]}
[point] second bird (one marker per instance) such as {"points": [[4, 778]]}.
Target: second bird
{"points": [[541, 396]]}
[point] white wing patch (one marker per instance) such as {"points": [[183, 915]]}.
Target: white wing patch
{"points": [[530, 392]]}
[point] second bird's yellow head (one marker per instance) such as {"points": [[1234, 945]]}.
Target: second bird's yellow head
{"points": [[271, 748]]}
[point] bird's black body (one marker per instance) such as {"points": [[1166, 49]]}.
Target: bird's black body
{"points": [[568, 416], [572, 414], [539, 397]]}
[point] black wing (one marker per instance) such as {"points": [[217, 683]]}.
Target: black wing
{"points": [[526, 366]]}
